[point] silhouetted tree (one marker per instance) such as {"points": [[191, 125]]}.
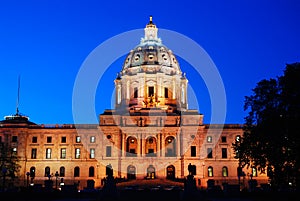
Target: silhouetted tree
{"points": [[9, 166], [271, 137]]}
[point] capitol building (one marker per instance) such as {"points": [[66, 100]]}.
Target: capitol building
{"points": [[151, 133]]}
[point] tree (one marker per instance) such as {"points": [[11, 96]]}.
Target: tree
{"points": [[9, 166], [271, 139]]}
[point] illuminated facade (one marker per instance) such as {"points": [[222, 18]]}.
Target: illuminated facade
{"points": [[150, 134]]}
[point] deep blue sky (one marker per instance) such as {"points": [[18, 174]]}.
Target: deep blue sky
{"points": [[46, 42]]}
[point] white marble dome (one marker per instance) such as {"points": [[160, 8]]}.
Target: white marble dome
{"points": [[151, 56]]}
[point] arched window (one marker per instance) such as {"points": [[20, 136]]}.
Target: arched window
{"points": [[32, 172], [131, 147], [150, 147], [62, 171], [47, 171], [210, 171], [182, 94], [225, 171], [91, 171], [170, 144], [118, 94], [76, 171]]}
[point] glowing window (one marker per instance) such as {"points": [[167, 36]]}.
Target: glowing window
{"points": [[77, 153], [63, 153], [92, 139], [210, 171], [92, 153], [48, 153], [225, 171]]}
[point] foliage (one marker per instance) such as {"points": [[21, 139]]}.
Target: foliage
{"points": [[271, 137], [9, 166]]}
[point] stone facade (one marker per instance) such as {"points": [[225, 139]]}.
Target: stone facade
{"points": [[151, 133]]}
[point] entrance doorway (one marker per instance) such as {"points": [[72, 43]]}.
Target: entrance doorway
{"points": [[171, 172], [131, 172], [150, 172]]}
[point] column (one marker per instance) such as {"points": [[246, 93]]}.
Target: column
{"points": [[158, 147], [139, 143], [142, 145], [178, 143], [162, 141], [174, 89], [123, 144]]}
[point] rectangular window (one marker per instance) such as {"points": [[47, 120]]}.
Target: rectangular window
{"points": [[92, 153], [209, 153], [150, 91], [223, 138], [78, 139], [209, 139], [108, 151], [224, 152], [49, 139], [193, 151], [63, 139], [151, 153], [14, 139], [92, 139], [77, 153], [166, 92], [63, 153], [48, 153], [135, 93], [33, 153], [34, 139]]}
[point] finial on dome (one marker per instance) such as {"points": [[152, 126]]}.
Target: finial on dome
{"points": [[150, 23]]}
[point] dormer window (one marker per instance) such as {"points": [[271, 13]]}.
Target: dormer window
{"points": [[165, 58], [137, 58], [174, 60], [151, 57]]}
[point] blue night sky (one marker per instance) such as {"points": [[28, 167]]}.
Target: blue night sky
{"points": [[46, 42]]}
